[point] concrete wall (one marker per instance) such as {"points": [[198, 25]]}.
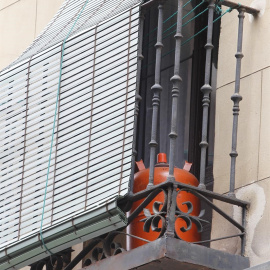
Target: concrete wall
{"points": [[253, 162]]}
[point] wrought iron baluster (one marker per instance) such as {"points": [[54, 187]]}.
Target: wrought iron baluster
{"points": [[170, 219], [176, 80], [206, 89], [236, 98], [138, 98], [157, 88]]}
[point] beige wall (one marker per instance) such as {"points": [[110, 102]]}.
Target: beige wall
{"points": [[21, 21], [253, 162]]}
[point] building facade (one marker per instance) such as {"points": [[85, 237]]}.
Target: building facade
{"points": [[251, 132]]}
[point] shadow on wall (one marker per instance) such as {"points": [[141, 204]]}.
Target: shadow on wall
{"points": [[257, 242]]}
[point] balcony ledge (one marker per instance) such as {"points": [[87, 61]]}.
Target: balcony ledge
{"points": [[173, 254]]}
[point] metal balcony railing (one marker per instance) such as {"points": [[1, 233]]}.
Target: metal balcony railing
{"points": [[164, 218]]}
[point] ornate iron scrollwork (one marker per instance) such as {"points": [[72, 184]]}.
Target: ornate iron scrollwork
{"points": [[172, 210], [157, 220], [104, 248], [188, 216], [56, 261]]}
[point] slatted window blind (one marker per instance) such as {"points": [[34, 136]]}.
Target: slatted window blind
{"points": [[92, 146]]}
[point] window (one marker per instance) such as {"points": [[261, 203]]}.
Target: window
{"points": [[192, 74]]}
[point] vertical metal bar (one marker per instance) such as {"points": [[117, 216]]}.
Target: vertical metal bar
{"points": [[170, 218], [176, 80], [157, 88], [138, 99], [24, 142], [206, 89], [127, 86], [243, 238], [91, 117], [236, 98]]}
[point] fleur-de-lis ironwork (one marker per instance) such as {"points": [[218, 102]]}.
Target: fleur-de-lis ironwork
{"points": [[188, 217], [55, 262], [157, 220], [104, 248]]}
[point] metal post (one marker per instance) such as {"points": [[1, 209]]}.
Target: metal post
{"points": [[206, 89], [170, 218], [138, 99], [156, 97], [176, 80], [236, 98]]}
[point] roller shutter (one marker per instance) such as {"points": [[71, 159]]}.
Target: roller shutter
{"points": [[92, 146]]}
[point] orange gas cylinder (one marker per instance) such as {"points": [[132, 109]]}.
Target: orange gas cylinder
{"points": [[160, 175]]}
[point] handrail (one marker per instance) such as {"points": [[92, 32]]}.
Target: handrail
{"points": [[234, 5]]}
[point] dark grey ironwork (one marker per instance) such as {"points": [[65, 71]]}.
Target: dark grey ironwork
{"points": [[219, 238], [233, 5], [138, 99], [206, 89], [99, 249], [218, 210], [170, 202], [83, 253], [169, 253], [55, 262], [236, 98], [158, 218], [171, 211], [163, 215], [176, 80], [157, 88], [147, 200], [161, 218], [210, 194]]}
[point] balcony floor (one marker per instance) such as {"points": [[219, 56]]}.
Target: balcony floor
{"points": [[172, 254]]}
